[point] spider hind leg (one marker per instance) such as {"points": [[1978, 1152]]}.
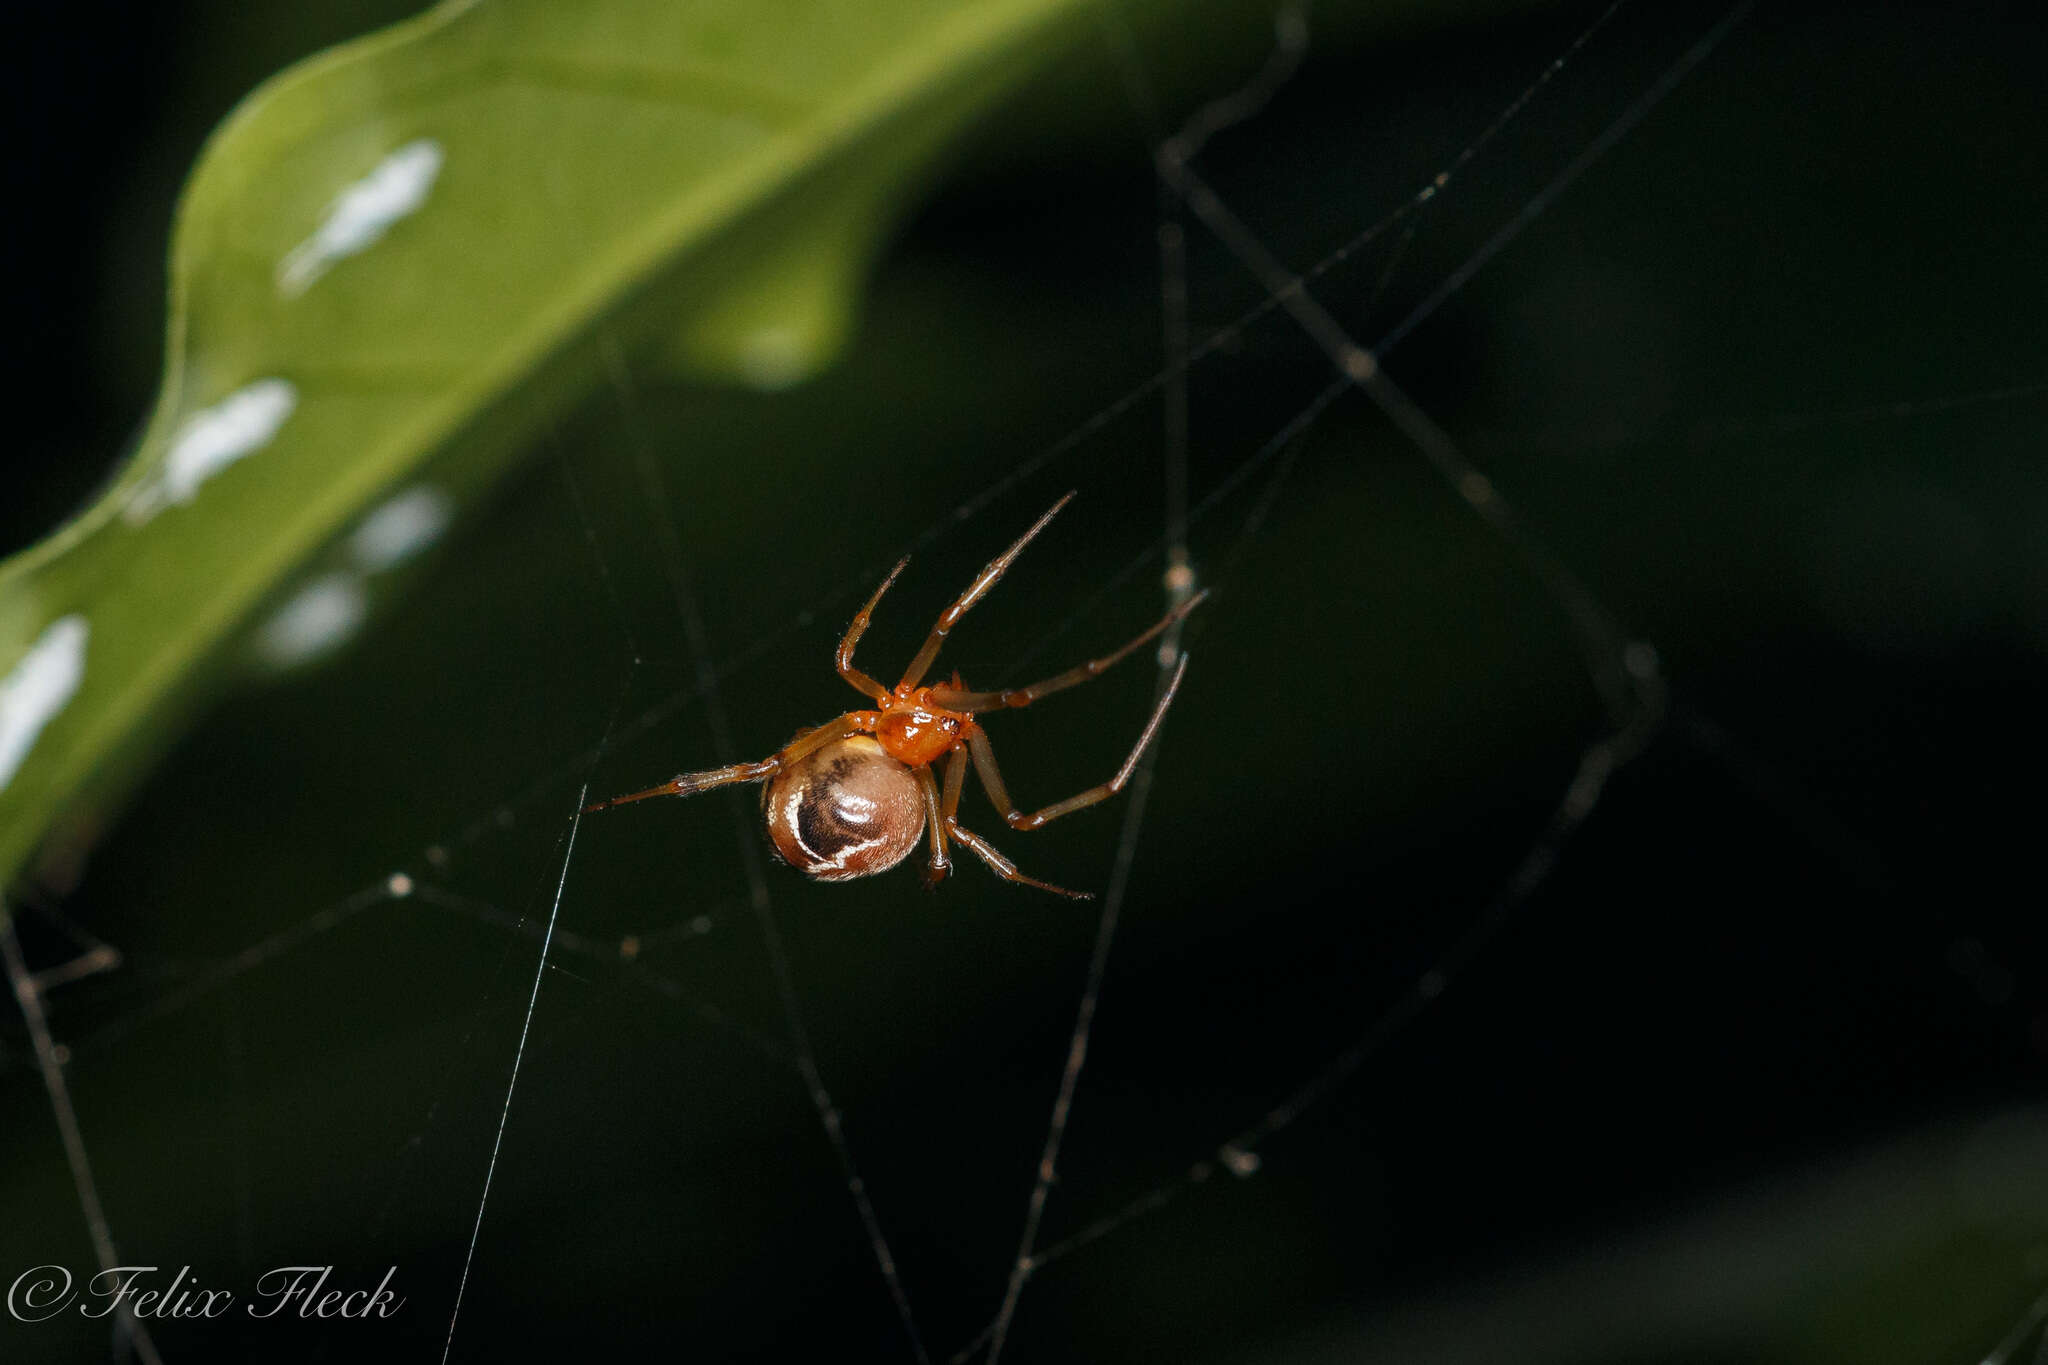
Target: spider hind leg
{"points": [[999, 794], [949, 818]]}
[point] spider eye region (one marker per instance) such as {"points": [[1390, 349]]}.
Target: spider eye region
{"points": [[848, 810]]}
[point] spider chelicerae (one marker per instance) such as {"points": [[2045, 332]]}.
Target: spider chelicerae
{"points": [[851, 797]]}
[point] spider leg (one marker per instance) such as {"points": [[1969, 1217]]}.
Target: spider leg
{"points": [[949, 806], [992, 777], [1006, 869], [956, 698], [956, 782], [689, 784], [976, 590], [937, 865], [844, 658]]}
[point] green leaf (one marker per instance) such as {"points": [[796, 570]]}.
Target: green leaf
{"points": [[400, 259]]}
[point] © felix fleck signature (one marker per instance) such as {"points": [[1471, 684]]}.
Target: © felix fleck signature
{"points": [[302, 1291]]}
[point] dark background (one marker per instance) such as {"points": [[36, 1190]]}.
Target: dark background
{"points": [[1754, 1074]]}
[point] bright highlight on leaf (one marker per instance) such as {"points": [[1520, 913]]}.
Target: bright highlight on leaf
{"points": [[319, 616], [360, 216], [212, 439], [38, 687], [401, 528]]}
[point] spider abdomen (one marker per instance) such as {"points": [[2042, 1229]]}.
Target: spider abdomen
{"points": [[848, 810]]}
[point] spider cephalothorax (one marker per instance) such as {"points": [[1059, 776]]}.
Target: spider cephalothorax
{"points": [[853, 796]]}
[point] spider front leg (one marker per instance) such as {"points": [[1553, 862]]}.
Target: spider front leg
{"points": [[689, 784], [976, 590], [956, 779], [992, 777], [844, 658], [957, 698]]}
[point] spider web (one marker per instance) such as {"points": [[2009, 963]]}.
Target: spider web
{"points": [[599, 1057]]}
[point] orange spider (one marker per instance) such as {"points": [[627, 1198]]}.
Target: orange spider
{"points": [[851, 797]]}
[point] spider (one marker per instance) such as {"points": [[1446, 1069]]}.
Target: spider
{"points": [[852, 797]]}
